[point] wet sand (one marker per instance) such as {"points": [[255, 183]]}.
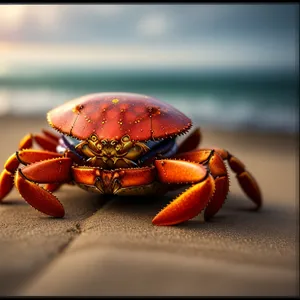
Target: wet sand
{"points": [[111, 248]]}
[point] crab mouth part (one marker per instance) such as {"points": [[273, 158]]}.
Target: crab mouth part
{"points": [[135, 155]]}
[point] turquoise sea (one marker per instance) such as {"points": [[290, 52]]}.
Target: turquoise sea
{"points": [[236, 100]]}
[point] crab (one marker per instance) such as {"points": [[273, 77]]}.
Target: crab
{"points": [[124, 144]]}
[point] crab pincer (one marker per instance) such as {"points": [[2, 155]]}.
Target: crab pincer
{"points": [[191, 202]]}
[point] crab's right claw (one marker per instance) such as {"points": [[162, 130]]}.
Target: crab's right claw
{"points": [[25, 157], [52, 171], [39, 198]]}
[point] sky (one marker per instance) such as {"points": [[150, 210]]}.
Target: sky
{"points": [[208, 35]]}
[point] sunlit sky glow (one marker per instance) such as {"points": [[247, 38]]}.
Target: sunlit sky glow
{"points": [[149, 35]]}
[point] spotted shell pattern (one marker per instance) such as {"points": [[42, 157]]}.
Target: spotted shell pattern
{"points": [[112, 115]]}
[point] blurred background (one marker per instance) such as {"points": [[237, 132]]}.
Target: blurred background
{"points": [[233, 67]]}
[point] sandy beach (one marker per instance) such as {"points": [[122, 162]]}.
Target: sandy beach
{"points": [[110, 248]]}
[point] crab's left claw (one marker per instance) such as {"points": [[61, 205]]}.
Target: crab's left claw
{"points": [[190, 203]]}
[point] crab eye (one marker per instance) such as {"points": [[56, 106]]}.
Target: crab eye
{"points": [[113, 142], [104, 142], [94, 138], [125, 138]]}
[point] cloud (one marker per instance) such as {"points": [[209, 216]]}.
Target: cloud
{"points": [[212, 32], [11, 17], [108, 10], [153, 25], [118, 23]]}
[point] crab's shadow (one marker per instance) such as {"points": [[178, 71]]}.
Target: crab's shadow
{"points": [[147, 207], [13, 202]]}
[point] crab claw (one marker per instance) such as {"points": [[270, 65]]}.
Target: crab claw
{"points": [[53, 171], [188, 205], [38, 197], [25, 157]]}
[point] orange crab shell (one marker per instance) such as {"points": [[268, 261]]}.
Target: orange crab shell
{"points": [[113, 115]]}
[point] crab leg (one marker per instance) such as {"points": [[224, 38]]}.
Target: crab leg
{"points": [[24, 157], [191, 142], [51, 135], [26, 142], [44, 142], [47, 141], [56, 170], [244, 177], [190, 203]]}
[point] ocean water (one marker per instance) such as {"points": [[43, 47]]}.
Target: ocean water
{"points": [[239, 100]]}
